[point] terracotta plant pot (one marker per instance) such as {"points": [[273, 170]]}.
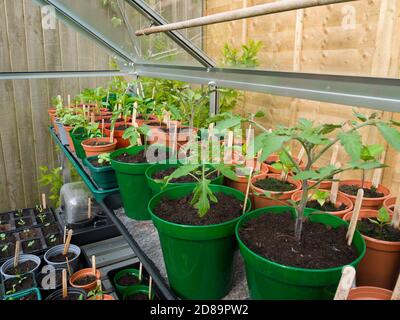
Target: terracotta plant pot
{"points": [[261, 201], [389, 204], [121, 142], [274, 158], [367, 203], [92, 151], [369, 293], [81, 274], [182, 137], [68, 130], [381, 263], [143, 121], [324, 185], [105, 297], [341, 199]]}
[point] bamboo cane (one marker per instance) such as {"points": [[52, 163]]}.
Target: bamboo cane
{"points": [[354, 217], [249, 12], [64, 284], [44, 203], [16, 254]]}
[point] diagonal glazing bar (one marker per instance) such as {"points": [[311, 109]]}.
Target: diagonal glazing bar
{"points": [[176, 36], [369, 92]]}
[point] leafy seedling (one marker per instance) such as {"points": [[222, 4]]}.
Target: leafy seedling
{"points": [[4, 248], [21, 222], [2, 236], [383, 218], [103, 158], [31, 243], [321, 196]]}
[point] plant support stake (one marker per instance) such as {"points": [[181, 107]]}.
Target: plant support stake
{"points": [[16, 253], [396, 213], [94, 265], [335, 186], [354, 217], [249, 12], [150, 287], [64, 283], [247, 190], [140, 271], [67, 242], [44, 204], [345, 283]]}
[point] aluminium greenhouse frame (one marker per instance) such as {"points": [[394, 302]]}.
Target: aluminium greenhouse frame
{"points": [[369, 92]]}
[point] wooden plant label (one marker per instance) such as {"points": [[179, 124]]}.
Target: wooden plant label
{"points": [[335, 153], [345, 283], [69, 100], [102, 127], [335, 186], [64, 284], [44, 203], [377, 175], [100, 289], [89, 211], [140, 271], [94, 265], [16, 253], [228, 148], [150, 287], [396, 213], [258, 163], [354, 217], [67, 242], [247, 190], [301, 154], [396, 290]]}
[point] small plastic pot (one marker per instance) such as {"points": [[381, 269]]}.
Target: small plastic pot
{"points": [[21, 295], [367, 203], [62, 133], [261, 201], [92, 151], [389, 204], [120, 288], [341, 199], [57, 295], [81, 274], [22, 258], [369, 293], [104, 177], [138, 289], [59, 249]]}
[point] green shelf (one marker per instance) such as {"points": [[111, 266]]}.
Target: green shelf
{"points": [[98, 193]]}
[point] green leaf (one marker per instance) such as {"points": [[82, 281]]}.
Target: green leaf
{"points": [[370, 152], [320, 196], [328, 128], [272, 143], [391, 135], [360, 116], [351, 141], [182, 171], [226, 171], [259, 114], [383, 216], [228, 124]]}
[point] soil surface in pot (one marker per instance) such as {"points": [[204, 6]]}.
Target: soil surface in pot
{"points": [[50, 229], [29, 246], [96, 143], [109, 120], [140, 157], [160, 175], [4, 238], [22, 268], [4, 218], [368, 192], [272, 184], [7, 250], [137, 296], [373, 230], [26, 282], [95, 163], [128, 280], [44, 218], [327, 207], [321, 247], [24, 222], [21, 214], [181, 211], [59, 258], [53, 240], [88, 279], [121, 127], [28, 234]]}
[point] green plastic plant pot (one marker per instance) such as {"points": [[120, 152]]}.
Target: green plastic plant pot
{"points": [[198, 259], [104, 177], [138, 289], [123, 289], [135, 193], [77, 139], [268, 280], [157, 187], [22, 294]]}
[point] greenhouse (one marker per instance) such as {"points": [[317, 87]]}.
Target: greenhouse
{"points": [[199, 150]]}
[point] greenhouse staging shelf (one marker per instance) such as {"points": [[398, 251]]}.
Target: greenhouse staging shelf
{"points": [[110, 200]]}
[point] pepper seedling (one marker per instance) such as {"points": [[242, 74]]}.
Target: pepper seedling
{"points": [[103, 158], [321, 196], [382, 219], [21, 279]]}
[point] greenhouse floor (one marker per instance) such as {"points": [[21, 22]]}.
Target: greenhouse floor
{"points": [[146, 236]]}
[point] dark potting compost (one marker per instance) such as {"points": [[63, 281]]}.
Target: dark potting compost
{"points": [[272, 184], [22, 268], [385, 232], [58, 258], [368, 192], [327, 207], [160, 175]]}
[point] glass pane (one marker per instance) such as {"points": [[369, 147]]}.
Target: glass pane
{"points": [[116, 21], [25, 45]]}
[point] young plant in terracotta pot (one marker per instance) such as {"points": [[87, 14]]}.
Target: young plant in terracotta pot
{"points": [[98, 293], [375, 193], [82, 133], [280, 244], [98, 145], [86, 279], [196, 226], [71, 121], [381, 263]]}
